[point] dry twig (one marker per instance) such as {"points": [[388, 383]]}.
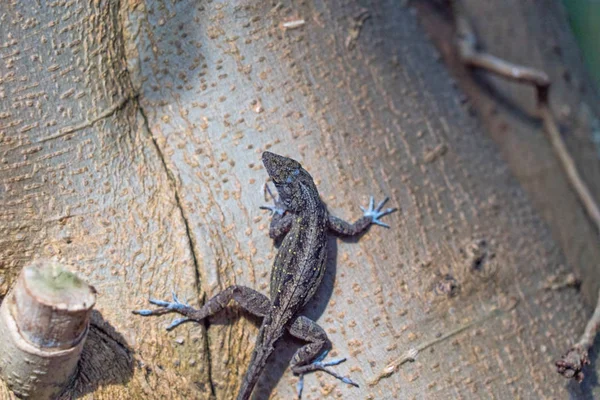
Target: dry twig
{"points": [[293, 24], [467, 48], [572, 362], [568, 281], [411, 354], [357, 23]]}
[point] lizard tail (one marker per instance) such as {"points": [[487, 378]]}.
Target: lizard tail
{"points": [[257, 365]]}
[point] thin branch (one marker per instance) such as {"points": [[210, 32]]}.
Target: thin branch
{"points": [[573, 361], [411, 354], [571, 364], [357, 23], [471, 56], [585, 196]]}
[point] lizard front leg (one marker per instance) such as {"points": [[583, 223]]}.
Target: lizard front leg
{"points": [[249, 299], [371, 216], [309, 358], [281, 222]]}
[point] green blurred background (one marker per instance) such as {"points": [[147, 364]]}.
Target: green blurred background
{"points": [[584, 16]]}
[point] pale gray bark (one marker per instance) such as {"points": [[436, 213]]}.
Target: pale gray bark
{"points": [[155, 186]]}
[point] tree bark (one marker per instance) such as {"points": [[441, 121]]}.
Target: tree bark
{"points": [[533, 34], [131, 137]]}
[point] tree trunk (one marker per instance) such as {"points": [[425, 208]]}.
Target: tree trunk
{"points": [[534, 34], [131, 137]]}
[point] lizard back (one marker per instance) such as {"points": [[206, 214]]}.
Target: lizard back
{"points": [[296, 274]]}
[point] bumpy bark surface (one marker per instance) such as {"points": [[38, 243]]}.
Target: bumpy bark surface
{"points": [[130, 141], [533, 34]]}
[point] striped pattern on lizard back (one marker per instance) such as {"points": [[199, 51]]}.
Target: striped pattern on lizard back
{"points": [[300, 262]]}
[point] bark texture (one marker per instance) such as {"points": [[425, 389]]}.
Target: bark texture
{"points": [[533, 34], [130, 142]]}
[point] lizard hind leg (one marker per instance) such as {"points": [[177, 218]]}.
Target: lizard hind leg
{"points": [[309, 358], [250, 300]]}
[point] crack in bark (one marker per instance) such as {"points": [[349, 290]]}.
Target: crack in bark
{"points": [[86, 124], [188, 233], [178, 202]]}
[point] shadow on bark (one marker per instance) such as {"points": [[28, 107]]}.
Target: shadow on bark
{"points": [[105, 360]]}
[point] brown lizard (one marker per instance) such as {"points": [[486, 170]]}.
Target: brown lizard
{"points": [[299, 266]]}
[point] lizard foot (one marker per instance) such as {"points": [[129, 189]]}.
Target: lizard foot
{"points": [[376, 212], [165, 308], [319, 365], [277, 207]]}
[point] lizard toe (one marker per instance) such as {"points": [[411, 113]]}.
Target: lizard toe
{"points": [[375, 213]]}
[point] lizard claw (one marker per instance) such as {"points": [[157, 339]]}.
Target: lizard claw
{"points": [[270, 193], [333, 362], [169, 305], [144, 313], [177, 322], [300, 386], [377, 212], [159, 303], [164, 308], [319, 365], [274, 209], [277, 207], [177, 301]]}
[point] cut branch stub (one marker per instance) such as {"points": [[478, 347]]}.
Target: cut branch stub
{"points": [[43, 324]]}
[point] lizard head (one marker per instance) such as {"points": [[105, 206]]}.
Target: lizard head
{"points": [[291, 180]]}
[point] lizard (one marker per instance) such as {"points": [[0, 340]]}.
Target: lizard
{"points": [[301, 218]]}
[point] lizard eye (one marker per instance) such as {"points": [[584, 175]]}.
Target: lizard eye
{"points": [[291, 177]]}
